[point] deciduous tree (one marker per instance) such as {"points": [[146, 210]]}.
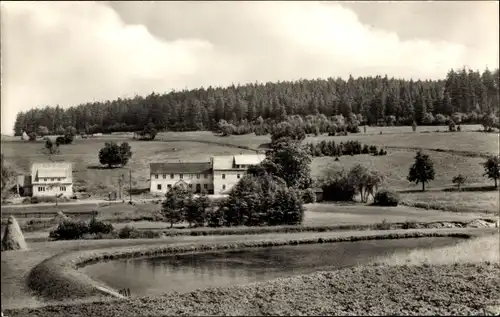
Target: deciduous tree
{"points": [[422, 171], [113, 154], [492, 168]]}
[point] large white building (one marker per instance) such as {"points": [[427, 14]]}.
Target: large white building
{"points": [[51, 179], [215, 177], [193, 176]]}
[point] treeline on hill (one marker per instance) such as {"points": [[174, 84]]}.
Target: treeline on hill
{"points": [[375, 101], [329, 148]]}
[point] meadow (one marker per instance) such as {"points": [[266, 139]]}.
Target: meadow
{"points": [[90, 177], [453, 153]]}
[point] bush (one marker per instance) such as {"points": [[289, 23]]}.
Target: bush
{"points": [[308, 196], [215, 217], [60, 140], [366, 149], [452, 127], [338, 188], [127, 232], [386, 197], [73, 230], [100, 227], [69, 230]]}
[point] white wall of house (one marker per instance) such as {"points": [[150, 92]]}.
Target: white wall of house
{"points": [[224, 180], [161, 183], [49, 188]]}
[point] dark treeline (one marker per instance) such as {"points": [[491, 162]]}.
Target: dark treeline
{"points": [[375, 100], [330, 148]]}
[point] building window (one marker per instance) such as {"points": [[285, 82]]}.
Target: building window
{"points": [[156, 176], [198, 176], [171, 176], [237, 175], [51, 179], [223, 176], [181, 176], [223, 186], [62, 188], [190, 186], [164, 176], [158, 187], [41, 189], [206, 175], [169, 186], [205, 186]]}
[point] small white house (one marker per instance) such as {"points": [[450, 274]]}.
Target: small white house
{"points": [[194, 176], [52, 178]]}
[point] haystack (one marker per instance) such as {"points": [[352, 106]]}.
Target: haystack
{"points": [[60, 217], [13, 238]]}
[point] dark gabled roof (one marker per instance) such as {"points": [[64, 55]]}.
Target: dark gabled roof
{"points": [[176, 168]]}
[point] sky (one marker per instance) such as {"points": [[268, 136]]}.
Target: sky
{"points": [[70, 53]]}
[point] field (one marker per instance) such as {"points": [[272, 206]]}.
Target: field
{"points": [[452, 153], [90, 177]]}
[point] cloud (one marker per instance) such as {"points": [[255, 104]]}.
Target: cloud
{"points": [[69, 53]]}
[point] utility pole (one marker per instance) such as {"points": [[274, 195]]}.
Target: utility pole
{"points": [[120, 184], [130, 183]]}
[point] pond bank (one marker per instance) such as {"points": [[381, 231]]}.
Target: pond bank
{"points": [[461, 289]]}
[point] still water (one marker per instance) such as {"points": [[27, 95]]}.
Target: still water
{"points": [[183, 273]]}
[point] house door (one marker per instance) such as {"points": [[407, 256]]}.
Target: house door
{"points": [[198, 188]]}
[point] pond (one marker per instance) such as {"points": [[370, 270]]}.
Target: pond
{"points": [[150, 276]]}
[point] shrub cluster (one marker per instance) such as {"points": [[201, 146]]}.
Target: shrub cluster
{"points": [[330, 148], [44, 199], [386, 197], [345, 185], [309, 196], [260, 200], [72, 230], [132, 233]]}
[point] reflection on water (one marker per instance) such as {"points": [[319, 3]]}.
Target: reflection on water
{"points": [[184, 273]]}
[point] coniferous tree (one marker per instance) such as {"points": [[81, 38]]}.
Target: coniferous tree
{"points": [[422, 171]]}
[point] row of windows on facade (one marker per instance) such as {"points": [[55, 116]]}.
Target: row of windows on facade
{"points": [[181, 176], [42, 188], [50, 179], [205, 186]]}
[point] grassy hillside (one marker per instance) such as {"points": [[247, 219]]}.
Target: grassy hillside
{"points": [[89, 175], [196, 146]]}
